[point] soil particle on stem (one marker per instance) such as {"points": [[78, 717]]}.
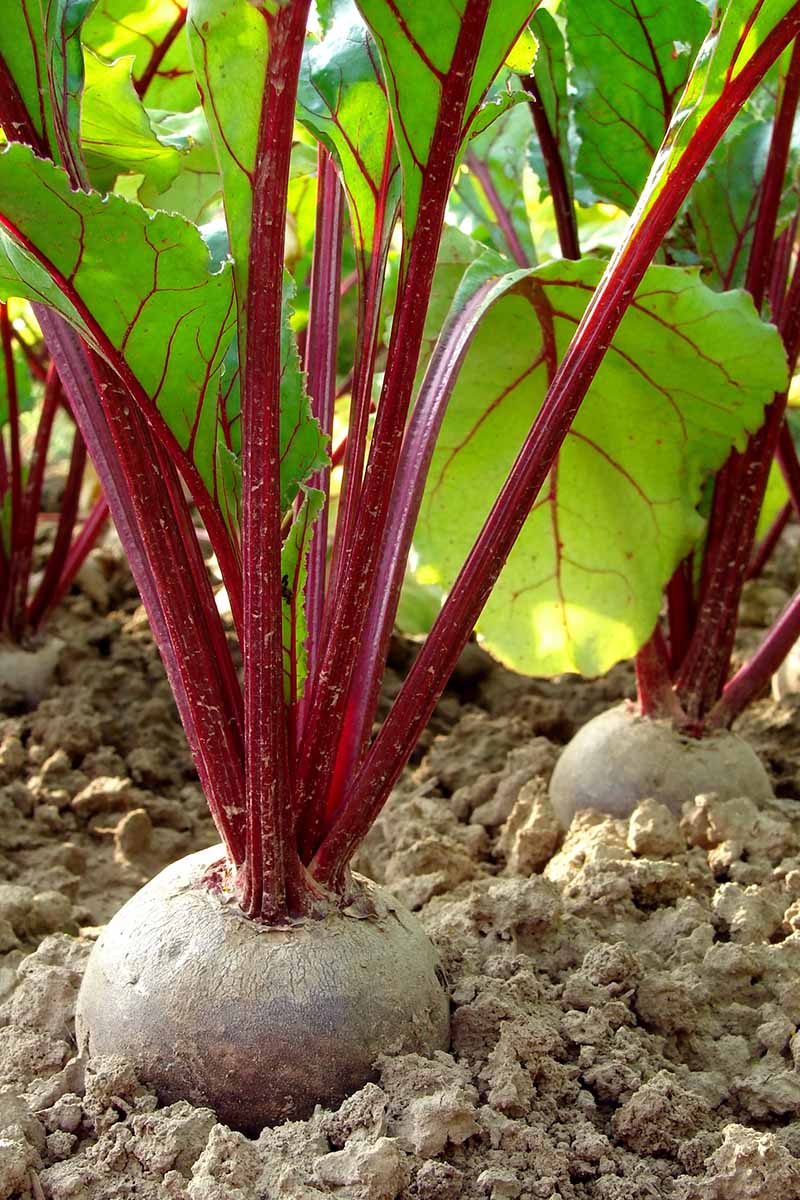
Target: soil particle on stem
{"points": [[626, 996]]}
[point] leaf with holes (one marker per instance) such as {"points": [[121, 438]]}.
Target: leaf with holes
{"points": [[583, 586], [631, 60]]}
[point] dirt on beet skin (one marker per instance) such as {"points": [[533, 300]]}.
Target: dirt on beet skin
{"points": [[626, 998]]}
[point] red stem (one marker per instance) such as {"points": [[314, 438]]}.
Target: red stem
{"points": [[789, 465], [418, 446], [501, 213], [657, 698], [734, 520], [765, 551], [705, 667], [371, 279], [563, 206], [356, 581], [781, 267], [271, 884], [754, 676], [8, 616], [680, 611], [193, 624], [438, 656], [67, 517], [740, 485], [21, 563], [185, 623], [159, 54], [759, 266], [78, 552], [323, 341]]}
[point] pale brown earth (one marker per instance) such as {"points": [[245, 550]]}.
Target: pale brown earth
{"points": [[626, 1000]]}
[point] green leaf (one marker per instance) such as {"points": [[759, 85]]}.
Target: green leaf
{"points": [[723, 204], [116, 133], [138, 28], [417, 43], [228, 40], [775, 497], [165, 315], [196, 190], [739, 30], [523, 53], [457, 253], [303, 445], [418, 607], [342, 102], [40, 47], [583, 585], [166, 322], [294, 566], [631, 60]]}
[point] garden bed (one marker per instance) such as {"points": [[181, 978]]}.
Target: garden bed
{"points": [[625, 1000]]}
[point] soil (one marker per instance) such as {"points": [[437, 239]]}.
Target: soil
{"points": [[626, 998]]}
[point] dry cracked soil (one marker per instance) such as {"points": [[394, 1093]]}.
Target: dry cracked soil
{"points": [[625, 997]]}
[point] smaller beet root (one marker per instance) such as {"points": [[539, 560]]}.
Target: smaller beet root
{"points": [[258, 1022], [620, 758]]}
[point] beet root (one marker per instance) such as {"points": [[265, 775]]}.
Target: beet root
{"points": [[620, 758], [258, 1022]]}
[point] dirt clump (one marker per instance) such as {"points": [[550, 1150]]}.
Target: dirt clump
{"points": [[625, 994]]}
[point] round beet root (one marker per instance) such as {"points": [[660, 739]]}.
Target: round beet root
{"points": [[260, 1023], [620, 758]]}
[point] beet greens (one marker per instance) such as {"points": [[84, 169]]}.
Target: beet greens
{"points": [[151, 232]]}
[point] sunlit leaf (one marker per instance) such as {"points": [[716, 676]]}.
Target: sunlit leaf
{"points": [[583, 586], [152, 32], [116, 133]]}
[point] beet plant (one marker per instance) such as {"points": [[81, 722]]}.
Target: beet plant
{"points": [[616, 533], [31, 401], [264, 975], [596, 598]]}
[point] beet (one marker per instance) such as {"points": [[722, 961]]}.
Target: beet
{"points": [[260, 1023], [620, 758]]}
